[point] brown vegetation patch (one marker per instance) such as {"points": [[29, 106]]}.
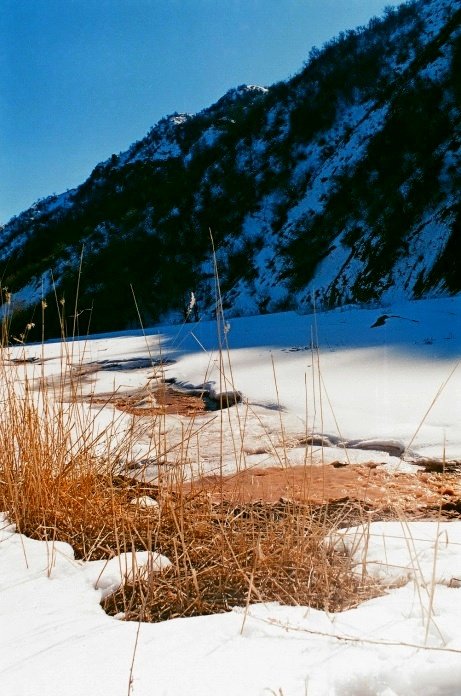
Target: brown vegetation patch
{"points": [[225, 555], [230, 546]]}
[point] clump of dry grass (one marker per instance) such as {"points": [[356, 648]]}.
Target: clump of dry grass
{"points": [[225, 556], [46, 484]]}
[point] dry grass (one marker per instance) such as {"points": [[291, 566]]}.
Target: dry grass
{"points": [[225, 556], [56, 486]]}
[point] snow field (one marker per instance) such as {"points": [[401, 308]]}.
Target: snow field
{"points": [[397, 385]]}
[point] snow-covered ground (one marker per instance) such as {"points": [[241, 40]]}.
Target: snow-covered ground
{"points": [[56, 639], [396, 386], [389, 393]]}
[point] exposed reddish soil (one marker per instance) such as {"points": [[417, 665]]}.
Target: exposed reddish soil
{"points": [[419, 495], [159, 401]]}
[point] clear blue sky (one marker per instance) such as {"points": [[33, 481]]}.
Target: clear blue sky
{"points": [[81, 79]]}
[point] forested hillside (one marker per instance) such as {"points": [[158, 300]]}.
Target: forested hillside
{"points": [[341, 184]]}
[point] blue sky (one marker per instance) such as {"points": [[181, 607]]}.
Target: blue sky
{"points": [[81, 79]]}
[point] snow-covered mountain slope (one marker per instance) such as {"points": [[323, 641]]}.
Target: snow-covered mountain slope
{"points": [[340, 185]]}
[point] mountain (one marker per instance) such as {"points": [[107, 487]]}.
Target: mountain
{"points": [[339, 185]]}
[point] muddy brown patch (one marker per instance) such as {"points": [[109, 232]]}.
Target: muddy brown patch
{"points": [[415, 494], [161, 400]]}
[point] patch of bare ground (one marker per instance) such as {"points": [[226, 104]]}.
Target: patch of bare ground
{"points": [[155, 401], [412, 494]]}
